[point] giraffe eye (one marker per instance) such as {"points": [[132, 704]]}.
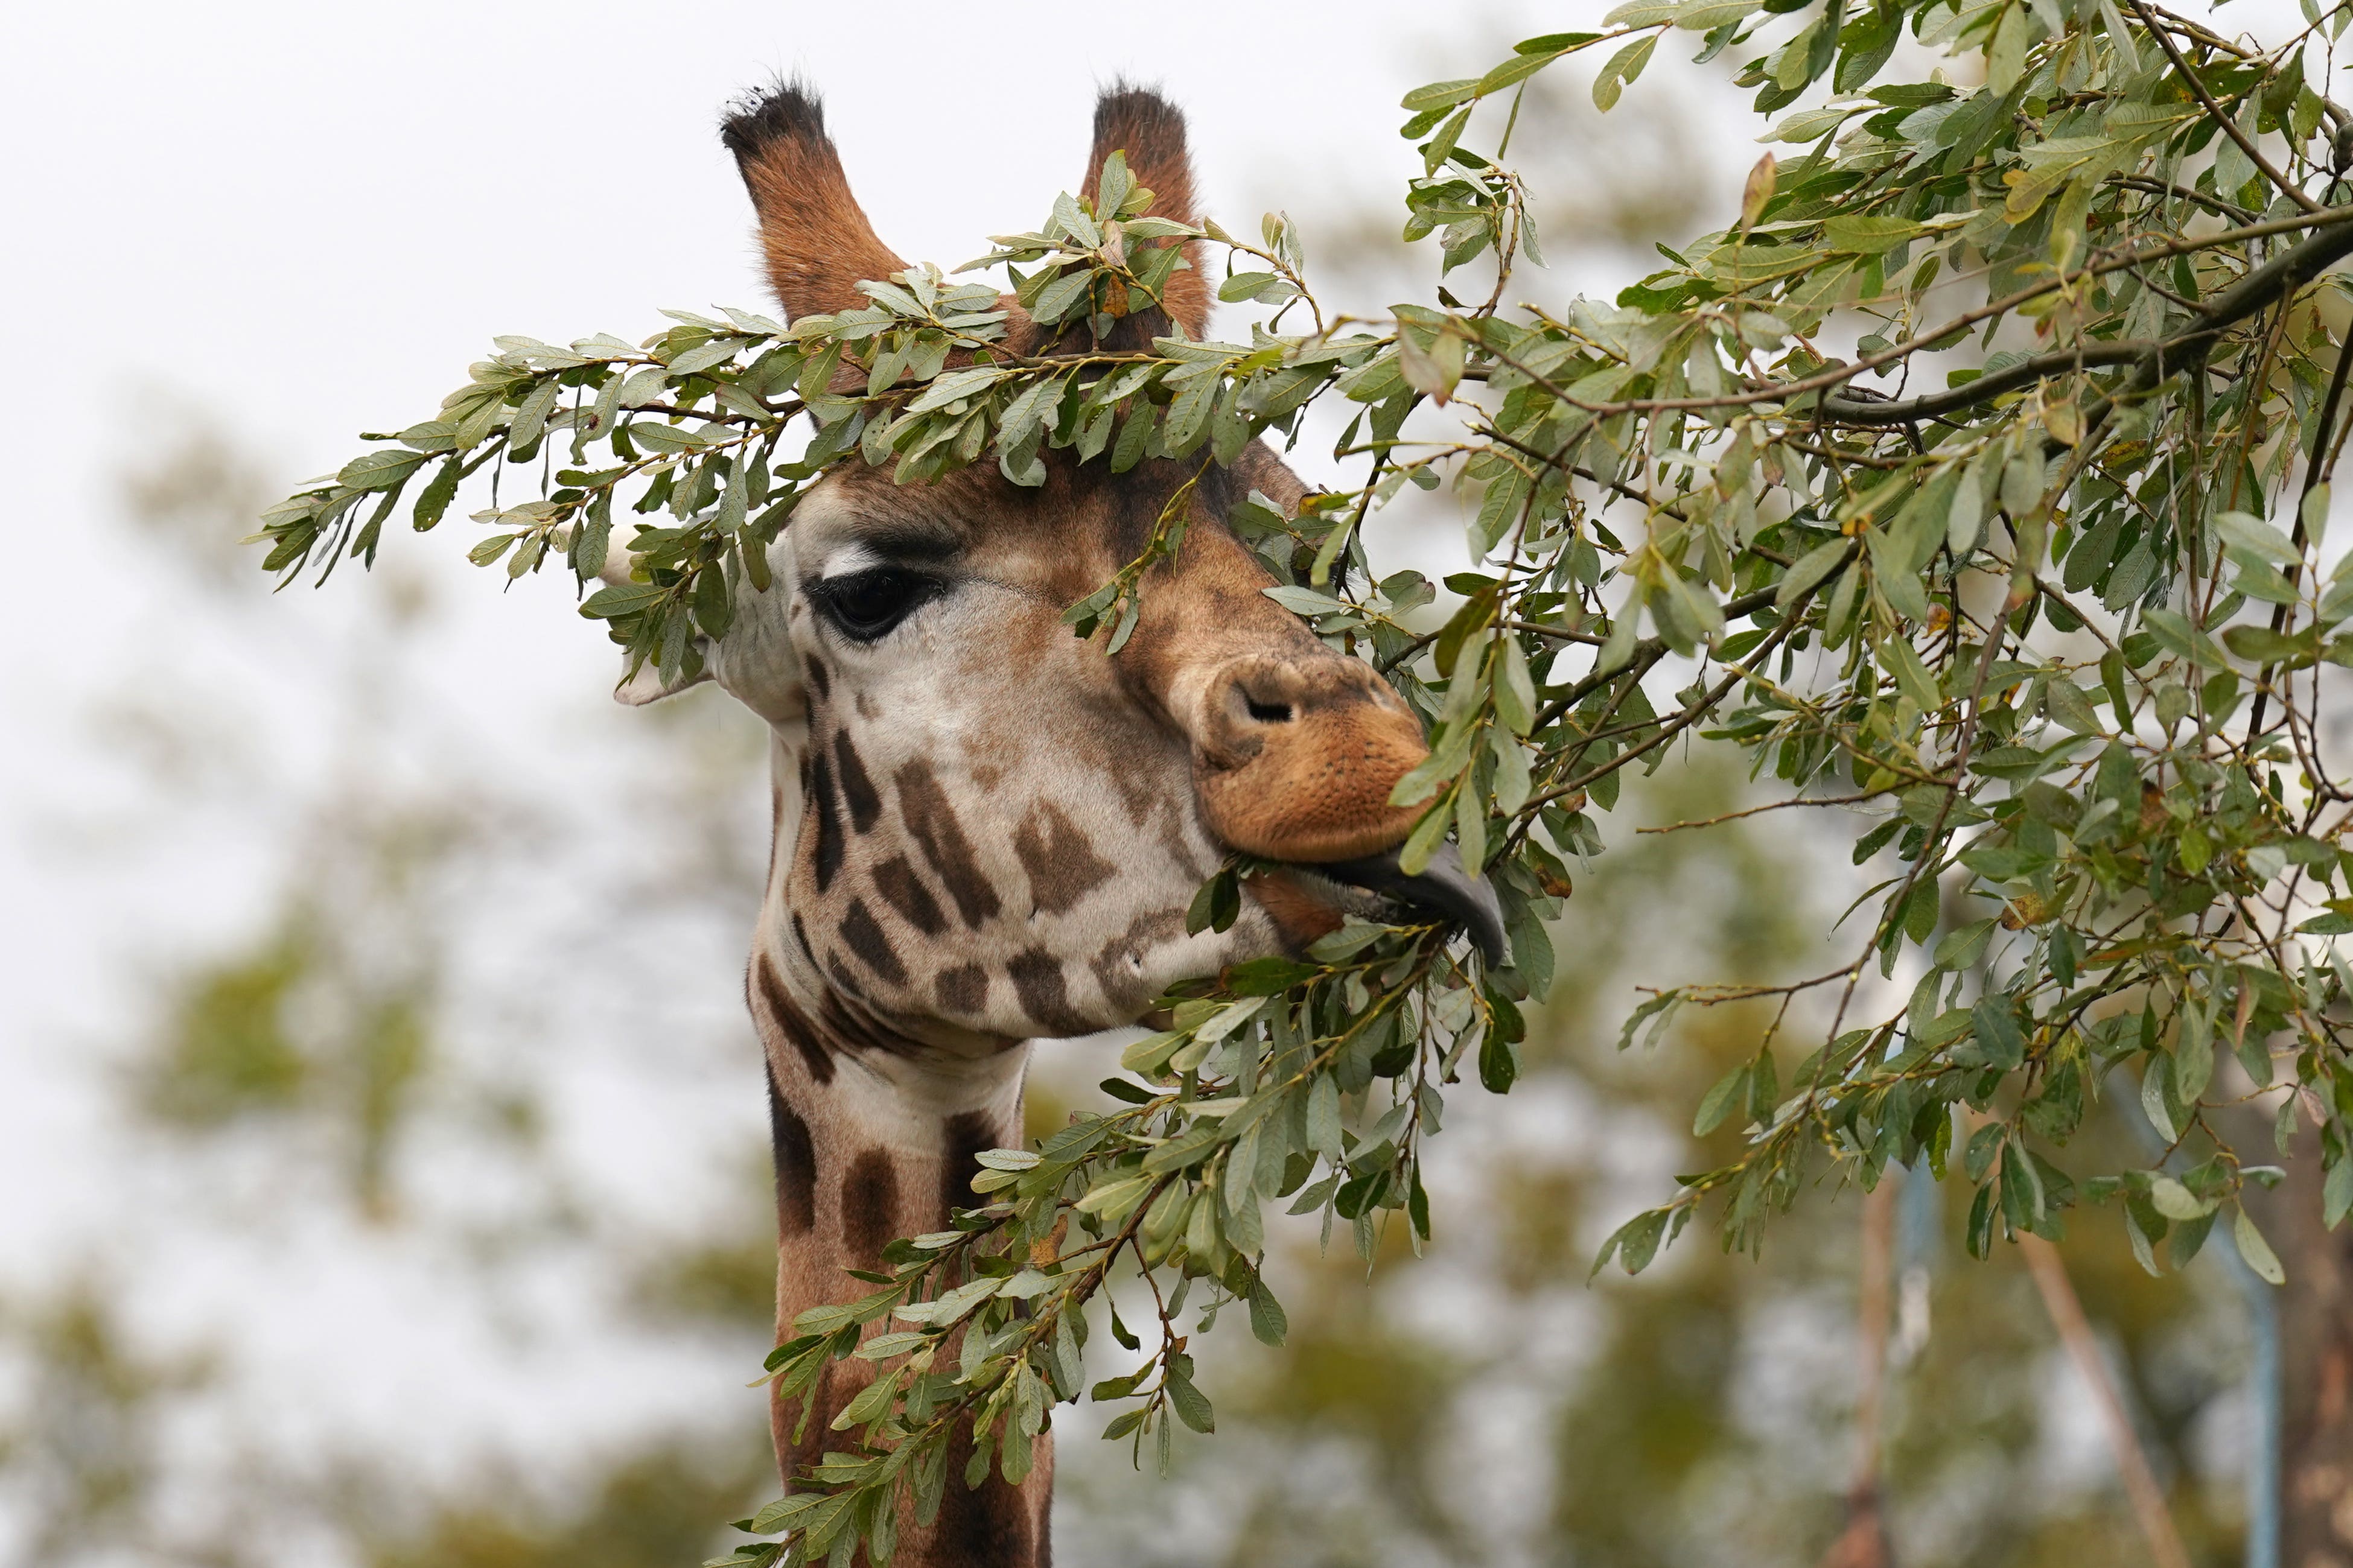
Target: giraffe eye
{"points": [[866, 605]]}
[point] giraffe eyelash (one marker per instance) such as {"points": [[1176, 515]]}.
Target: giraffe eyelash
{"points": [[868, 605]]}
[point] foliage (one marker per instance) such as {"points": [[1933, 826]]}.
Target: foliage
{"points": [[2061, 625]]}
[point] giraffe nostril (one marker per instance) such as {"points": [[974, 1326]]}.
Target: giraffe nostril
{"points": [[1268, 712]]}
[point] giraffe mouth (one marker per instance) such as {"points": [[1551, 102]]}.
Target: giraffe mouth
{"points": [[1443, 888]]}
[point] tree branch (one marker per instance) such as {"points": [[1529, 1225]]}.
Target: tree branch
{"points": [[2284, 273], [2229, 127]]}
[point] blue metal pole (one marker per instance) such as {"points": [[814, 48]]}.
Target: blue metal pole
{"points": [[2265, 1391]]}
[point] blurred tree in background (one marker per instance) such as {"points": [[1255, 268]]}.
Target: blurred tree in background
{"points": [[1483, 1404]]}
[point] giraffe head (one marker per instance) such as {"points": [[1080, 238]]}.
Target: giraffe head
{"points": [[999, 827]]}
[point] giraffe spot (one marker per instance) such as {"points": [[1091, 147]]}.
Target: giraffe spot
{"points": [[1062, 861], [828, 856], [857, 789], [794, 1457], [904, 892], [839, 970], [796, 1162], [933, 822], [964, 989], [870, 1206], [1135, 793], [819, 677], [963, 1139], [990, 1525], [1038, 981], [786, 1018], [871, 944]]}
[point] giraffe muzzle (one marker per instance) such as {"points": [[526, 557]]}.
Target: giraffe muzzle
{"points": [[1442, 888]]}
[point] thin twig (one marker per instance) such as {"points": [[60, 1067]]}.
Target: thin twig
{"points": [[1855, 799], [2229, 127]]}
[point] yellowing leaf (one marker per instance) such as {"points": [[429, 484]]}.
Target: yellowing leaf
{"points": [[1867, 235], [1757, 192]]}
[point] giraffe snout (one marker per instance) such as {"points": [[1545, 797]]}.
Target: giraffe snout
{"points": [[1295, 757]]}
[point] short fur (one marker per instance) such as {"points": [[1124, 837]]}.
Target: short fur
{"points": [[818, 242], [1150, 130]]}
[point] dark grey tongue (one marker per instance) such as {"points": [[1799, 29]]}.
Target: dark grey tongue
{"points": [[1444, 889]]}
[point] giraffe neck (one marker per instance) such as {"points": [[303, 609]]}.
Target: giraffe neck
{"points": [[876, 1135]]}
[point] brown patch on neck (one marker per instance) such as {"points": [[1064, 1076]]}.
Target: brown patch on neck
{"points": [[932, 823], [964, 989], [785, 1414], [963, 1137], [796, 1164], [990, 1526], [870, 1207], [904, 892], [826, 858], [872, 943], [1037, 979], [784, 1017], [1061, 860], [857, 789]]}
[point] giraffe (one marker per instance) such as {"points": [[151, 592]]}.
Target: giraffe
{"points": [[986, 830]]}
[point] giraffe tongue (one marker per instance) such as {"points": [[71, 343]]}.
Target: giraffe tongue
{"points": [[1443, 888]]}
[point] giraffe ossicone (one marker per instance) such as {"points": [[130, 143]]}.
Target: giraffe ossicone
{"points": [[988, 830]]}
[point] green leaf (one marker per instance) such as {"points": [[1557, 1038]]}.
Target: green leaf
{"points": [[1440, 94], [1635, 1243], [1897, 657], [1706, 16], [1960, 948], [622, 599], [2006, 54], [1269, 1323], [1869, 236], [1809, 570], [2252, 534], [1621, 70], [2337, 1191], [2177, 1202], [1719, 1101], [1192, 1406], [2256, 1250], [1423, 842], [1433, 372]]}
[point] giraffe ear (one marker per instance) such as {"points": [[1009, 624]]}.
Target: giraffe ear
{"points": [[817, 243], [650, 685], [1150, 130], [754, 662]]}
